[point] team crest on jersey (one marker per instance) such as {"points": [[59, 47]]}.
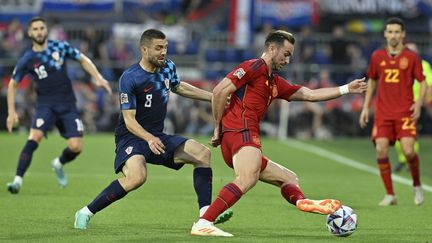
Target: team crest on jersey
{"points": [[124, 98], [129, 149], [383, 63], [403, 63], [56, 56], [239, 73], [274, 91], [39, 122]]}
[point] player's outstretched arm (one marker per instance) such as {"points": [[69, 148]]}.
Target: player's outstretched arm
{"points": [[99, 80], [190, 91], [357, 86], [12, 119], [364, 115]]}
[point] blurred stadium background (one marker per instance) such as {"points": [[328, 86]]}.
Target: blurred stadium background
{"points": [[209, 38]]}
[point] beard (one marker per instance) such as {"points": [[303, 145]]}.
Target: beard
{"points": [[157, 63], [40, 40]]}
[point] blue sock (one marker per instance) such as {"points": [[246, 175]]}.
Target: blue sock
{"points": [[68, 155], [202, 178], [111, 194], [26, 157]]}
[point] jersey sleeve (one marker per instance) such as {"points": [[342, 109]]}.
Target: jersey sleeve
{"points": [[243, 73], [172, 74], [71, 52], [20, 70], [418, 69], [372, 71], [126, 92], [284, 88]]}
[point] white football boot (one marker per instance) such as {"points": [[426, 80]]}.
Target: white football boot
{"points": [[418, 195], [388, 200], [208, 230]]}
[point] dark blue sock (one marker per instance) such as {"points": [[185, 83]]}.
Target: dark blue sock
{"points": [[26, 157], [111, 194], [68, 155], [202, 178]]}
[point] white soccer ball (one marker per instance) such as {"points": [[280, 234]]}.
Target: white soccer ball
{"points": [[342, 222]]}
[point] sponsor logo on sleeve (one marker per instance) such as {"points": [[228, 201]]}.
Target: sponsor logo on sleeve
{"points": [[124, 98], [239, 73]]}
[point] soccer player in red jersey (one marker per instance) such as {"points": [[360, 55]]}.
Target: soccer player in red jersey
{"points": [[392, 71], [252, 87]]}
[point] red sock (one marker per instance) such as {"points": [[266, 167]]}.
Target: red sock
{"points": [[385, 171], [292, 193], [227, 196], [414, 165]]}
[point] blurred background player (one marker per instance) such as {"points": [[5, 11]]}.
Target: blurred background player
{"points": [[252, 87], [427, 71], [46, 62], [144, 91], [392, 71]]}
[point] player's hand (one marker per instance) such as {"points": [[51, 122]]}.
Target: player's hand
{"points": [[156, 145], [104, 84], [364, 118], [358, 86], [215, 140], [416, 111], [12, 121]]}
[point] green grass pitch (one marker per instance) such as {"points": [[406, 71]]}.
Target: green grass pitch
{"points": [[165, 207]]}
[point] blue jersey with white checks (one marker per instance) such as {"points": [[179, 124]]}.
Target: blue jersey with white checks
{"points": [[148, 94], [48, 69]]}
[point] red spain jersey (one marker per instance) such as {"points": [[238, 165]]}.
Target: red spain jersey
{"points": [[395, 77], [255, 92]]}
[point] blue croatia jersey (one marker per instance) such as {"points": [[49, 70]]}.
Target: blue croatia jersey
{"points": [[48, 69], [148, 94]]}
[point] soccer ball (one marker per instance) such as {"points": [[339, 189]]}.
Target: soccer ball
{"points": [[342, 222]]}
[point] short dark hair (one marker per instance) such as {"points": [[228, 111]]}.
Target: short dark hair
{"points": [[35, 19], [395, 20], [278, 37], [150, 34]]}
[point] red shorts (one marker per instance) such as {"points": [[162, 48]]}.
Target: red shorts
{"points": [[233, 141], [394, 129]]}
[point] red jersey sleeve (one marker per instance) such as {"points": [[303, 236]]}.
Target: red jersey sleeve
{"points": [[284, 88], [244, 72], [418, 70], [373, 69]]}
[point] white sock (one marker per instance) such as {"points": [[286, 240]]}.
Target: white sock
{"points": [[18, 180], [86, 211], [204, 222], [56, 163], [203, 210]]}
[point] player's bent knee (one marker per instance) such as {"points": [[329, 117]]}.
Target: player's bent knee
{"points": [[136, 181], [203, 157]]}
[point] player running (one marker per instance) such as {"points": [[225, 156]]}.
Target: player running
{"points": [[46, 62]]}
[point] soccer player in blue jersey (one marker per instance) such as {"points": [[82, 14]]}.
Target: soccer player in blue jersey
{"points": [[144, 90], [46, 63]]}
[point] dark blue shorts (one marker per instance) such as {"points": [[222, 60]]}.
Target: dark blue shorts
{"points": [[64, 117], [130, 145]]}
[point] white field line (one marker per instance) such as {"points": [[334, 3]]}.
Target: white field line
{"points": [[347, 161]]}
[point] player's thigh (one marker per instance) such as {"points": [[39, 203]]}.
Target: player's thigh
{"points": [[43, 119], [192, 152], [247, 162], [135, 168], [278, 175], [382, 145], [69, 123], [407, 144]]}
